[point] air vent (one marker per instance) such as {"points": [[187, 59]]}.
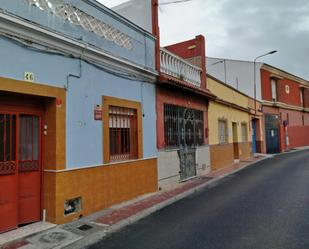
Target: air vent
{"points": [[72, 206]]}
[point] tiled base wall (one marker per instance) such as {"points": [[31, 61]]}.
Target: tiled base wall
{"points": [[222, 155], [99, 187]]}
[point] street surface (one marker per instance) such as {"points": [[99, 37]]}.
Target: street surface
{"points": [[264, 206]]}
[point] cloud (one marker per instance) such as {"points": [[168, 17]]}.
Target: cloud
{"points": [[244, 29], [241, 29]]}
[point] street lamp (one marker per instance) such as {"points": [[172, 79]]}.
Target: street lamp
{"points": [[254, 74]]}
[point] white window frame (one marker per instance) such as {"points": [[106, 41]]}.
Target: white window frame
{"points": [[273, 83]]}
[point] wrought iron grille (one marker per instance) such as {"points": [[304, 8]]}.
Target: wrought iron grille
{"points": [[29, 143], [123, 135], [78, 17], [183, 127], [7, 144]]}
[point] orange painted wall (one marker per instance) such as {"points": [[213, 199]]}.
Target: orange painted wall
{"points": [[99, 187]]}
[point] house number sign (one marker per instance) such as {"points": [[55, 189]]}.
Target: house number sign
{"points": [[28, 76]]}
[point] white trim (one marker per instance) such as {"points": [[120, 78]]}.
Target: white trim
{"points": [[283, 105], [115, 15], [14, 26], [98, 165]]}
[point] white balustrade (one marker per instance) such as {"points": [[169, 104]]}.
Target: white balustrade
{"points": [[179, 68]]}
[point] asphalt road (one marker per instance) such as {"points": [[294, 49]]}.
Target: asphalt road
{"points": [[264, 206]]}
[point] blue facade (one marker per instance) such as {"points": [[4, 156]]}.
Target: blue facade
{"points": [[84, 146], [143, 43]]}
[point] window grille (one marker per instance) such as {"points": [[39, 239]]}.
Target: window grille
{"points": [[123, 135], [29, 132], [244, 132], [78, 17], [223, 136], [183, 127], [7, 144]]}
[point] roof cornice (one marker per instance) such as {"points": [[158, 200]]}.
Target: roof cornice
{"points": [[279, 73], [23, 29]]}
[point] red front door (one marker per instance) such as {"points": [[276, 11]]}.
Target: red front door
{"points": [[20, 168]]}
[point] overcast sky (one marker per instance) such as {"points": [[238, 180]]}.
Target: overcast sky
{"points": [[242, 29]]}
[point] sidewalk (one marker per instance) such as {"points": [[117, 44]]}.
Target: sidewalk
{"points": [[88, 230]]}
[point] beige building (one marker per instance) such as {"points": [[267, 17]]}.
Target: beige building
{"points": [[231, 128]]}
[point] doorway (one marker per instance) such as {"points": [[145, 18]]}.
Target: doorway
{"points": [[187, 154], [20, 166], [272, 133], [254, 135], [235, 141]]}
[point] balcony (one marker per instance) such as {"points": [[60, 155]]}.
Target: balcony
{"points": [[179, 68]]}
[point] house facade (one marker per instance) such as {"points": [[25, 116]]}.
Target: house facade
{"points": [[182, 113], [72, 140], [285, 108], [284, 99], [230, 125]]}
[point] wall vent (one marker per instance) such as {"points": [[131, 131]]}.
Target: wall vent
{"points": [[72, 206]]}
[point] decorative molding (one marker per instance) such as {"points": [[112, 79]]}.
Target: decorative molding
{"points": [[280, 74], [75, 16], [283, 105], [99, 165], [11, 25]]}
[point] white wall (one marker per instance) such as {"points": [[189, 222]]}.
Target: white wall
{"points": [[238, 74], [169, 166], [138, 12]]}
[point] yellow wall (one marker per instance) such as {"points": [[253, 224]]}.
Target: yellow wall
{"points": [[218, 111], [226, 93]]}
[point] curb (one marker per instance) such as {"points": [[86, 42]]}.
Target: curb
{"points": [[96, 237]]}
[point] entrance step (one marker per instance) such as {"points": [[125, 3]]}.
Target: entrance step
{"points": [[25, 231]]}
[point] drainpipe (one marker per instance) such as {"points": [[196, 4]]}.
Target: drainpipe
{"points": [[156, 32], [79, 75]]}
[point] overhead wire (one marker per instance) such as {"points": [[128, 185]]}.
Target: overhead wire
{"points": [[47, 50]]}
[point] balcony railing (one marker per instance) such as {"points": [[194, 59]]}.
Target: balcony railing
{"points": [[179, 68]]}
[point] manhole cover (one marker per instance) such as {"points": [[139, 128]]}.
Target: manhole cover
{"points": [[53, 237], [85, 227]]}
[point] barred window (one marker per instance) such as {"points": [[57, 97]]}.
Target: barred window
{"points": [[222, 128], [182, 126], [123, 135], [244, 132]]}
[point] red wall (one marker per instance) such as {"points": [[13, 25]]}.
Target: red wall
{"points": [[297, 130], [191, 49], [180, 98], [298, 136], [293, 98]]}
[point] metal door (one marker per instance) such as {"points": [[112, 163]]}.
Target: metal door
{"points": [[272, 141], [8, 172], [272, 133], [20, 169], [29, 167], [187, 153]]}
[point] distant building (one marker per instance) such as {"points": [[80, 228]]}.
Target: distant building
{"points": [[284, 96]]}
